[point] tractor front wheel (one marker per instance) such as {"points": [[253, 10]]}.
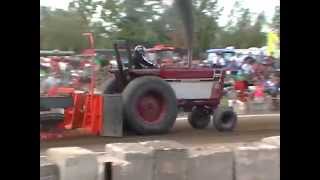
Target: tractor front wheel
{"points": [[199, 118], [150, 105], [225, 119]]}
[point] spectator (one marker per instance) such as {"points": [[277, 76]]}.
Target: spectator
{"points": [[273, 85], [233, 66], [264, 69], [233, 57], [221, 60], [246, 67], [215, 59], [52, 81], [258, 70], [54, 64], [239, 59], [259, 92]]}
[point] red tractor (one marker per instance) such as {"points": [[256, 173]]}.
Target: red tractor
{"points": [[152, 96]]}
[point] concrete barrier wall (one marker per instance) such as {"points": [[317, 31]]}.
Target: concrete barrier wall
{"points": [[257, 161], [210, 163], [48, 170], [159, 160]]}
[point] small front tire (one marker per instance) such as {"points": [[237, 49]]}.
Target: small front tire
{"points": [[225, 119], [199, 118]]}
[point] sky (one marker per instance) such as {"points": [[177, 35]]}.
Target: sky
{"points": [[255, 6]]}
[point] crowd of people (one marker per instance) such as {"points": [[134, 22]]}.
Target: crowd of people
{"points": [[249, 77], [253, 79], [72, 72]]}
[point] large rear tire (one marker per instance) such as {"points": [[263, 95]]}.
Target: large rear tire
{"points": [[199, 118], [225, 119], [150, 105]]}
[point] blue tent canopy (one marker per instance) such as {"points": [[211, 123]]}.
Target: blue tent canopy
{"points": [[220, 51]]}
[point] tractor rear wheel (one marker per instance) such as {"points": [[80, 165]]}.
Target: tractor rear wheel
{"points": [[225, 119], [150, 105], [199, 118]]}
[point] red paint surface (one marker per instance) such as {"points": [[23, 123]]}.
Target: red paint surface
{"points": [[93, 117], [74, 115], [176, 73], [185, 73], [161, 47], [151, 108]]}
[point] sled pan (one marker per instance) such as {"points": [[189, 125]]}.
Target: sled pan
{"points": [[112, 116]]}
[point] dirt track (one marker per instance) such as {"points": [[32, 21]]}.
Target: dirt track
{"points": [[248, 129]]}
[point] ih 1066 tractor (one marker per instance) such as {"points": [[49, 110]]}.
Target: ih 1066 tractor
{"points": [[151, 97]]}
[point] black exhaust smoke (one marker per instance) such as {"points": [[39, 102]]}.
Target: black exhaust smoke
{"points": [[185, 9]]}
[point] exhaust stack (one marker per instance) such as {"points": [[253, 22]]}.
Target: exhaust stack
{"points": [[185, 9]]}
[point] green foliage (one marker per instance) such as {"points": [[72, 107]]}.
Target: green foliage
{"points": [[62, 30], [276, 19], [149, 21], [240, 31], [206, 16], [84, 8]]}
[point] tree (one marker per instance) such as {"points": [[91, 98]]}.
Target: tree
{"points": [[233, 15], [205, 26], [240, 32], [87, 9], [276, 19], [206, 15], [84, 8], [248, 35], [131, 20], [149, 22], [62, 30], [257, 37]]}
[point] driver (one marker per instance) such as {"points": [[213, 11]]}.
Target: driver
{"points": [[139, 59]]}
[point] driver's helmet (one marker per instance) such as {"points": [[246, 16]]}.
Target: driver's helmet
{"points": [[140, 50]]}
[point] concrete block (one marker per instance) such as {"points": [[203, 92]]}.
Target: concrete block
{"points": [[119, 169], [273, 140], [139, 158], [106, 165], [48, 170], [257, 161], [170, 160], [210, 163], [129, 151], [74, 163], [126, 170]]}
